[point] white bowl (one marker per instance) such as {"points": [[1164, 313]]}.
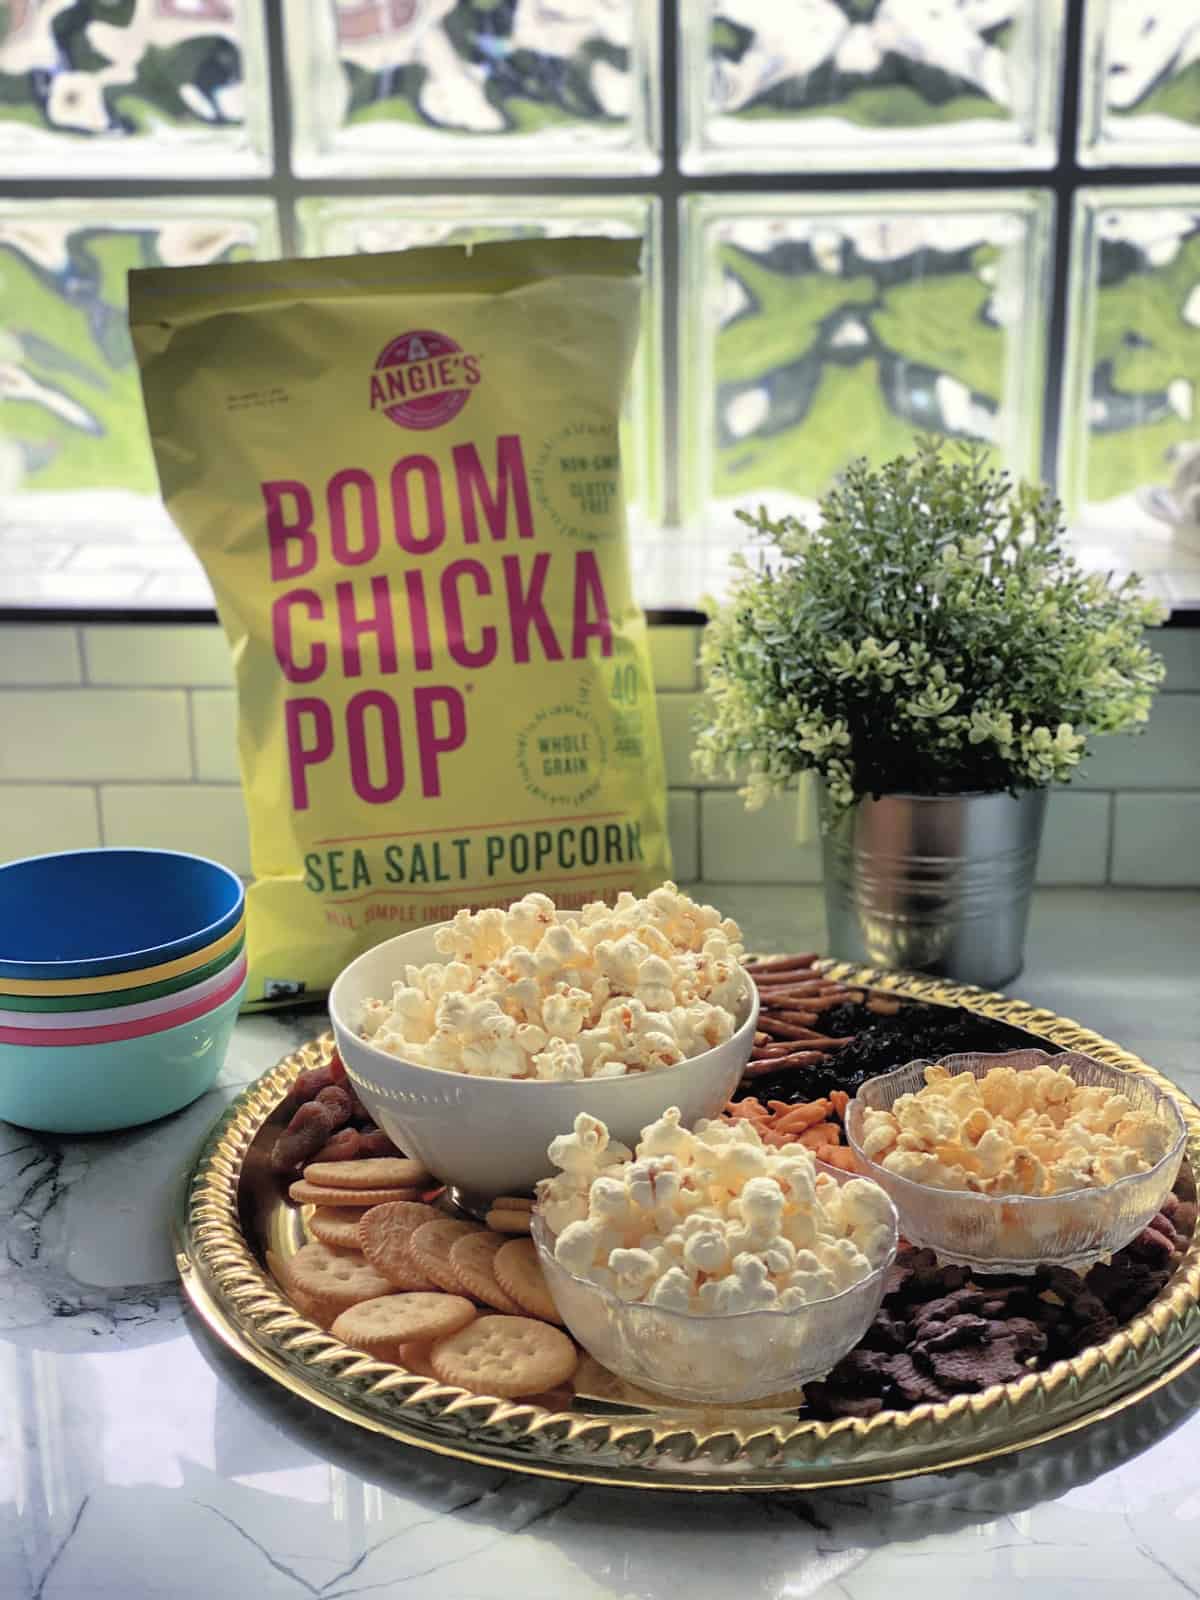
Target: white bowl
{"points": [[489, 1136]]}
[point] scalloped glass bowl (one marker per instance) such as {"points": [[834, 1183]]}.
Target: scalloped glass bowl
{"points": [[711, 1360], [1016, 1233]]}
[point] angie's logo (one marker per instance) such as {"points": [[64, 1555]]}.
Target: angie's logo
{"points": [[422, 379]]}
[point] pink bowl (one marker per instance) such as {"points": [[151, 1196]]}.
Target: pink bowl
{"points": [[135, 1028], [117, 1015]]}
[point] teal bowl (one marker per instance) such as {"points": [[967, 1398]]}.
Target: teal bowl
{"points": [[96, 1088]]}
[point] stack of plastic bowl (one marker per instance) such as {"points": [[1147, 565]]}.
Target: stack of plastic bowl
{"points": [[121, 974]]}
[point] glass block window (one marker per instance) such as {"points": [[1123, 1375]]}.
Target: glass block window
{"points": [[73, 446], [819, 329], [487, 86], [133, 88], [856, 86], [861, 219], [1131, 452], [1141, 83]]}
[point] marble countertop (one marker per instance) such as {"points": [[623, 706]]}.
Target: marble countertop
{"points": [[140, 1459]]}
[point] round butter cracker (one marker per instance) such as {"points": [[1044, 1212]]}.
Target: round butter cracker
{"points": [[471, 1259], [430, 1247], [519, 1273], [372, 1172], [336, 1225], [384, 1233], [320, 1194], [383, 1326], [509, 1357], [330, 1281], [509, 1221]]}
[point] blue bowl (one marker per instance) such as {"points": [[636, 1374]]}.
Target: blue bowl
{"points": [[90, 913], [95, 1088]]}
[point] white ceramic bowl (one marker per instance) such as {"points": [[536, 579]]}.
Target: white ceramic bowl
{"points": [[489, 1136]]}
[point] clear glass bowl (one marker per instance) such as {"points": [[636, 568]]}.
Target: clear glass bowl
{"points": [[715, 1360], [1016, 1233]]}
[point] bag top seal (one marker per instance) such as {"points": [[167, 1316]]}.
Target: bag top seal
{"points": [[160, 295]]}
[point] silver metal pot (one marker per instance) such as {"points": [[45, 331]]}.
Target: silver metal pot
{"points": [[934, 883]]}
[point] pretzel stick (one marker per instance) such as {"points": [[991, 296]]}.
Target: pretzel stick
{"points": [[821, 1041], [801, 1017], [802, 1058], [781, 1030], [801, 991], [796, 980], [780, 963], [821, 1002]]}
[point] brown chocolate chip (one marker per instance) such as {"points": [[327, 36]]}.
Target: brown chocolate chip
{"points": [[1086, 1333], [828, 1403], [909, 1386], [861, 1370], [888, 1333], [949, 1305], [1028, 1339], [968, 1371], [954, 1334]]}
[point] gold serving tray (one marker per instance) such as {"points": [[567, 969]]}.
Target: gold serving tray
{"points": [[232, 1210]]}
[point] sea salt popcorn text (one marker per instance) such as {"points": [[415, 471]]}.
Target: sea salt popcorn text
{"points": [[1031, 1132], [527, 994], [711, 1220]]}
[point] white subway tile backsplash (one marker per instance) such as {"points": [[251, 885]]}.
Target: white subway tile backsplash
{"points": [[214, 721], [676, 718], [740, 846], [1165, 756], [41, 653], [109, 705], [193, 655], [673, 657], [37, 818], [683, 824], [1075, 841], [1180, 649], [93, 734], [206, 819], [1156, 842], [675, 712]]}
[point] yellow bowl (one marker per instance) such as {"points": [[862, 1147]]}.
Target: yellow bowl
{"points": [[126, 980]]}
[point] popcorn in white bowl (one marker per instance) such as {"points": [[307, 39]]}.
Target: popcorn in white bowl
{"points": [[487, 1134], [533, 992]]}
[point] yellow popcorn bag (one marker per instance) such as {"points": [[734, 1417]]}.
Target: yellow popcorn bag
{"points": [[402, 474]]}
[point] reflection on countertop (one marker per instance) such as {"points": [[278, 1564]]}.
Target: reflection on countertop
{"points": [[142, 1459]]}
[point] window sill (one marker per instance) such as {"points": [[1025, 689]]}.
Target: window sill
{"points": [[159, 581]]}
